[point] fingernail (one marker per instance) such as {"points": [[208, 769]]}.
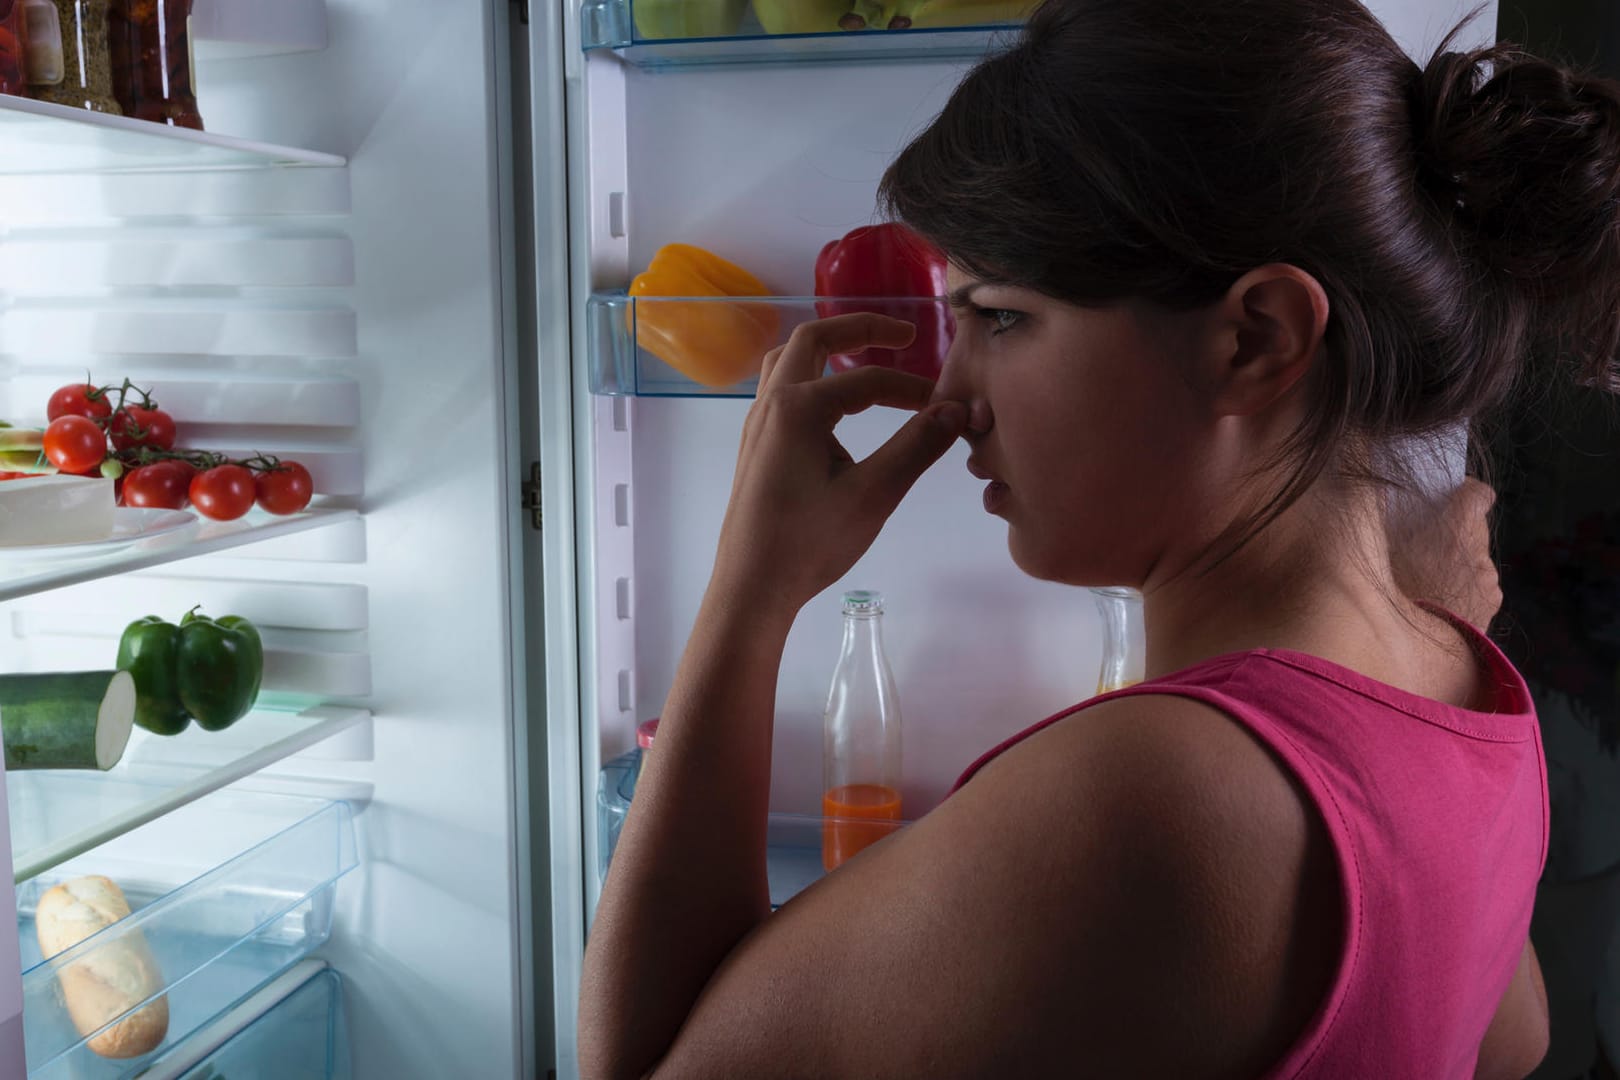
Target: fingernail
{"points": [[949, 416]]}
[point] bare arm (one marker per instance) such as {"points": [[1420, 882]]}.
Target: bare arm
{"points": [[688, 878], [1519, 1033]]}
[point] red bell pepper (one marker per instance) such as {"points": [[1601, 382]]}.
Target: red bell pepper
{"points": [[892, 263]]}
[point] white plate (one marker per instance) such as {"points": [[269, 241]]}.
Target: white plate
{"points": [[131, 525]]}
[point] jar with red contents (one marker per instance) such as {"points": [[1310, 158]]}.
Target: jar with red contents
{"points": [[13, 43], [151, 61]]}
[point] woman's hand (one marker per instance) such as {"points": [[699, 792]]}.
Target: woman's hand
{"points": [[802, 510], [1445, 556]]}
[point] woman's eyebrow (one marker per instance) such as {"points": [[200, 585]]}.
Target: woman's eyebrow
{"points": [[962, 295]]}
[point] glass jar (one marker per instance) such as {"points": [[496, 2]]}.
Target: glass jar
{"points": [[74, 55], [151, 61], [13, 46], [1124, 642]]}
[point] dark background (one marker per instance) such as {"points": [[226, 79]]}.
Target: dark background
{"points": [[1557, 470]]}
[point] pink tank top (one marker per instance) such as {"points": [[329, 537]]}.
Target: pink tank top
{"points": [[1438, 818]]}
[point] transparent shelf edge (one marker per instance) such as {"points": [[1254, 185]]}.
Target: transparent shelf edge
{"points": [[609, 26], [58, 138], [23, 579], [329, 721]]}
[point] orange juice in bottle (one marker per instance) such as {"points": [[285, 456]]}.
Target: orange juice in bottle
{"points": [[861, 738]]}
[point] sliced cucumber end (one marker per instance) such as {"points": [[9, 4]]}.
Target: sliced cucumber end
{"points": [[115, 720]]}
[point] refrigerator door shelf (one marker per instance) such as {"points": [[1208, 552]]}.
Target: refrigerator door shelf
{"points": [[293, 1029], [660, 35], [793, 841], [727, 335], [25, 576], [58, 816], [225, 894], [42, 137]]}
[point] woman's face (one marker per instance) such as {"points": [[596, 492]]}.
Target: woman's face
{"points": [[1100, 451]]}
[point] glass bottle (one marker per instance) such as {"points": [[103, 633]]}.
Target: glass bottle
{"points": [[1124, 643], [151, 61], [13, 47], [74, 68], [861, 738]]}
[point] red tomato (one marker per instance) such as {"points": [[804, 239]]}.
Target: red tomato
{"points": [[81, 399], [75, 444], [134, 426], [162, 484], [223, 493], [286, 489]]}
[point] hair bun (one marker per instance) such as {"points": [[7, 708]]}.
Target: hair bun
{"points": [[1523, 155]]}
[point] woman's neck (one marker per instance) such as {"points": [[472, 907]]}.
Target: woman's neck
{"points": [[1316, 580]]}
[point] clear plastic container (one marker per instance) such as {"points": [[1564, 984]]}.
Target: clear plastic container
{"points": [[293, 1029], [13, 47], [70, 54], [1124, 644], [216, 925], [152, 63], [623, 333]]}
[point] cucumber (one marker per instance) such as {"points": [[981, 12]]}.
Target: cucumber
{"points": [[79, 720]]}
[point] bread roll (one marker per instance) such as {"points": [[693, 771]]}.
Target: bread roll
{"points": [[110, 980]]}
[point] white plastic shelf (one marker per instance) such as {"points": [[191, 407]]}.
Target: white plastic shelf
{"points": [[237, 29], [59, 815], [43, 137], [23, 573], [613, 25]]}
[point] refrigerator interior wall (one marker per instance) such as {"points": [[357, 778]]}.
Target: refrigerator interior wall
{"points": [[365, 306]]}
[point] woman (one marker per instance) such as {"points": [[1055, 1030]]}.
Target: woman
{"points": [[1217, 268]]}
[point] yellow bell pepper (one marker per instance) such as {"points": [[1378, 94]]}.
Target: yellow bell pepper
{"points": [[688, 18], [934, 14], [710, 342]]}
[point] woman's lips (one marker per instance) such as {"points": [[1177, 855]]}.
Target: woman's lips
{"points": [[995, 496], [977, 469]]}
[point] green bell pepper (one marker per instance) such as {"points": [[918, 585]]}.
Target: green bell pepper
{"points": [[219, 663], [147, 651]]}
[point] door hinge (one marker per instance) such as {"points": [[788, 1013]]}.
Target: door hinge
{"points": [[531, 497]]}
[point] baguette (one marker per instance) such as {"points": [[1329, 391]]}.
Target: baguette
{"points": [[110, 980]]}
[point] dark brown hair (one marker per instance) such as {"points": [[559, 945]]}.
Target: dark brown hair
{"points": [[1463, 217]]}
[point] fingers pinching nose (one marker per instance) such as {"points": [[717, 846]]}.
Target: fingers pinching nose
{"points": [[979, 419]]}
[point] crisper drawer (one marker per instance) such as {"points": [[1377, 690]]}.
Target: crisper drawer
{"points": [[224, 894], [293, 1029]]}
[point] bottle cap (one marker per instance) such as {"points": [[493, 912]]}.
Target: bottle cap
{"points": [[863, 602], [645, 732]]}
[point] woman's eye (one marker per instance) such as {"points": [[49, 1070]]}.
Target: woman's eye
{"points": [[1000, 319]]}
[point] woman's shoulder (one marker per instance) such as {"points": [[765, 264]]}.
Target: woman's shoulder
{"points": [[1213, 852]]}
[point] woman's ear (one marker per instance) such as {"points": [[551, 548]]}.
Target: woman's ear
{"points": [[1269, 326]]}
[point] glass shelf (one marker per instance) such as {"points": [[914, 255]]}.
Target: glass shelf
{"points": [[58, 815], [23, 573], [632, 339], [613, 25], [43, 137]]}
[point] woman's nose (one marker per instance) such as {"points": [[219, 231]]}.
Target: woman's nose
{"points": [[956, 383]]}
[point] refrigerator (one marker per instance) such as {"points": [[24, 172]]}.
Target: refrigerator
{"points": [[399, 256]]}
